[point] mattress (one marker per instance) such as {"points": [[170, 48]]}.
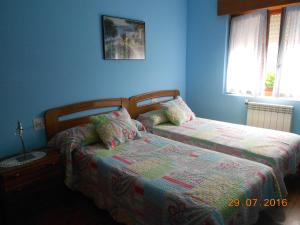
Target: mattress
{"points": [[280, 150], [154, 180]]}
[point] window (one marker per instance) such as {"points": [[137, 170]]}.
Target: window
{"points": [[264, 54], [272, 52]]}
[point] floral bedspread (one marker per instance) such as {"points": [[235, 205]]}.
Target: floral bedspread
{"points": [[280, 150], [154, 180]]}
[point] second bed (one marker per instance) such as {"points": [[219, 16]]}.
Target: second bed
{"points": [[280, 150]]}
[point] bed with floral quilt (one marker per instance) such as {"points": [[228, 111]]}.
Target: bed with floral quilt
{"points": [[153, 180], [280, 150], [174, 119]]}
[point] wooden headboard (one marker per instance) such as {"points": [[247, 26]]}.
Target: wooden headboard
{"points": [[134, 101], [54, 125]]}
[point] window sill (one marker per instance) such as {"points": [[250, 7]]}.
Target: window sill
{"points": [[267, 98]]}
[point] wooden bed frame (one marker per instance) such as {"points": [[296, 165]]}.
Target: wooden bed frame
{"points": [[54, 125], [136, 109]]}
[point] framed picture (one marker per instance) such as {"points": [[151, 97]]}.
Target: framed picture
{"points": [[123, 38]]}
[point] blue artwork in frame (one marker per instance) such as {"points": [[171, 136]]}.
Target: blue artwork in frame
{"points": [[123, 38]]}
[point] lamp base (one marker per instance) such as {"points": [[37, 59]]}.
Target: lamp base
{"points": [[25, 157], [21, 160]]}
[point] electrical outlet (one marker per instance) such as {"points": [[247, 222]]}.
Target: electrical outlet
{"points": [[38, 123]]}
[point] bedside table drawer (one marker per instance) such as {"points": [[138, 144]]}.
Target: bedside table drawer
{"points": [[19, 179]]}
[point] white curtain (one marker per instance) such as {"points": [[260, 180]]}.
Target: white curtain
{"points": [[246, 56], [288, 71]]}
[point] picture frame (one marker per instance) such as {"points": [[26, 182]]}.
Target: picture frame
{"points": [[123, 39]]}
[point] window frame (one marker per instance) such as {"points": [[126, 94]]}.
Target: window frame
{"points": [[270, 11]]}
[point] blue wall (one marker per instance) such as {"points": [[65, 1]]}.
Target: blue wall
{"points": [[206, 62], [51, 55]]}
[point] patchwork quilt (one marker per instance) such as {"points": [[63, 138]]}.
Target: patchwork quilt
{"points": [[154, 180], [280, 150]]}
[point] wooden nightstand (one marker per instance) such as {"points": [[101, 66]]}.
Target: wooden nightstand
{"points": [[26, 186]]}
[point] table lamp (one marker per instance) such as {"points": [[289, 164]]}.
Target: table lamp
{"points": [[25, 156]]}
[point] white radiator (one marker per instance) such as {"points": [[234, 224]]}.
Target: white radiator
{"points": [[276, 117]]}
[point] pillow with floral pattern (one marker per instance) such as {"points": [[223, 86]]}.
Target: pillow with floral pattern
{"points": [[139, 125], [177, 111], [115, 128]]}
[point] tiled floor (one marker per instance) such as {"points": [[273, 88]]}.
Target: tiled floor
{"points": [[75, 209]]}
